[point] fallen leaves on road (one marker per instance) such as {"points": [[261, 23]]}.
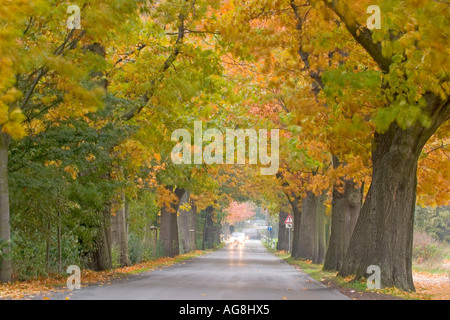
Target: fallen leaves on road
{"points": [[435, 285], [28, 289]]}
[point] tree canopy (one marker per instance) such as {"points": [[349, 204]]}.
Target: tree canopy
{"points": [[87, 115]]}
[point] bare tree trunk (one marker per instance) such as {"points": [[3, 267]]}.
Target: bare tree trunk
{"points": [[59, 244], [208, 235], [119, 232], [383, 233], [5, 235], [283, 241], [295, 204], [345, 209], [216, 234], [47, 247], [183, 223], [154, 240], [193, 227], [169, 227], [226, 229], [320, 245], [101, 257], [307, 227]]}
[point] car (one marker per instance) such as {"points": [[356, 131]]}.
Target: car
{"points": [[237, 237]]}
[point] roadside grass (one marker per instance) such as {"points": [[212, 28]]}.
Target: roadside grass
{"points": [[356, 289], [57, 282], [432, 270], [438, 265]]}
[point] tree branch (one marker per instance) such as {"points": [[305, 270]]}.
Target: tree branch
{"points": [[43, 70], [360, 33], [169, 61], [193, 31]]}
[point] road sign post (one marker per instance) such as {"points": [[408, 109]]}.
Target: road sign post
{"points": [[288, 224], [289, 239], [270, 234]]}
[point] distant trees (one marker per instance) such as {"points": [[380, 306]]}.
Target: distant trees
{"points": [[434, 221]]}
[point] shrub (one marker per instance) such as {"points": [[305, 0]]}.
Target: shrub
{"points": [[426, 250], [115, 257], [135, 248]]}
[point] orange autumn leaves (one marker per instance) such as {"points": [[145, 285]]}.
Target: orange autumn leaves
{"points": [[166, 198], [47, 285]]}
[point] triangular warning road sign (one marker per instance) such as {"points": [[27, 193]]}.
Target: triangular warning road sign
{"points": [[289, 219]]}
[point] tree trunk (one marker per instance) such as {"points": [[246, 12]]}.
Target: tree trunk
{"points": [[384, 231], [208, 231], [216, 234], [168, 234], [101, 257], [283, 241], [295, 233], [119, 232], [183, 224], [204, 233], [307, 227], [226, 229], [345, 209], [59, 243], [193, 227], [47, 246], [5, 263], [320, 245]]}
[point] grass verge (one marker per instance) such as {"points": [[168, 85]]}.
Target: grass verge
{"points": [[356, 290]]}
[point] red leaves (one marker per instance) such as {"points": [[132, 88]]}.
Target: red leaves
{"points": [[239, 212]]}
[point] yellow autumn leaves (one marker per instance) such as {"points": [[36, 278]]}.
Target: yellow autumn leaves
{"points": [[10, 120]]}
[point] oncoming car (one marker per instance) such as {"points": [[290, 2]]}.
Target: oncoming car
{"points": [[237, 237]]}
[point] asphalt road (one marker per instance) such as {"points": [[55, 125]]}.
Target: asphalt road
{"points": [[232, 273]]}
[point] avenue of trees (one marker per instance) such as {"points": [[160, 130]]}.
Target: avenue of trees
{"points": [[87, 114]]}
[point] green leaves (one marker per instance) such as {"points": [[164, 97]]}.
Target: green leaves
{"points": [[404, 114]]}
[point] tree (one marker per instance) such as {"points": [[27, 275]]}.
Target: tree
{"points": [[415, 110], [30, 56]]}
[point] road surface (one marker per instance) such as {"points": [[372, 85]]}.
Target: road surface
{"points": [[247, 272]]}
